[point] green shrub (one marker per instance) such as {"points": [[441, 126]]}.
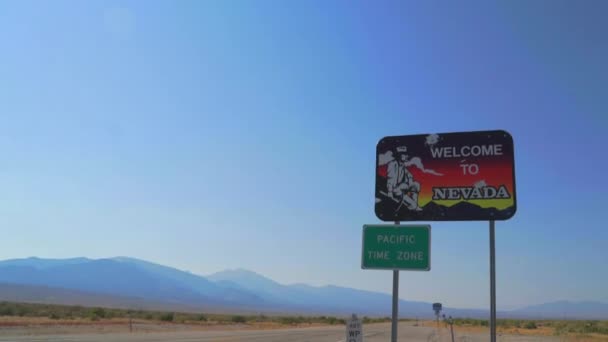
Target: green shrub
{"points": [[167, 317], [530, 325], [20, 311], [239, 319], [6, 311], [98, 312], [288, 320]]}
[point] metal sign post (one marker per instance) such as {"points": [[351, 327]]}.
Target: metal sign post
{"points": [[451, 323], [492, 283], [395, 306], [395, 318]]}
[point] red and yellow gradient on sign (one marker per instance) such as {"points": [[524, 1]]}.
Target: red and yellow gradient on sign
{"points": [[492, 173]]}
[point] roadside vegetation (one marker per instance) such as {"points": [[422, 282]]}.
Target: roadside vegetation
{"points": [[556, 327], [587, 328], [93, 314]]}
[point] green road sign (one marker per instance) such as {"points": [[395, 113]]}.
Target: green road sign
{"points": [[393, 247]]}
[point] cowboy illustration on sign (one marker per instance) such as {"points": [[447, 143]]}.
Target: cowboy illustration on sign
{"points": [[400, 183]]}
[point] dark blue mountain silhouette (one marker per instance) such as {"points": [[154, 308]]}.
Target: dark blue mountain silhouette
{"points": [[124, 282]]}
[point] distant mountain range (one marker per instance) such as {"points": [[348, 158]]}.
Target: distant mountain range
{"points": [[564, 310], [131, 283]]}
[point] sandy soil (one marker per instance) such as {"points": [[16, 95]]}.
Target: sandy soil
{"points": [[42, 329], [523, 334]]}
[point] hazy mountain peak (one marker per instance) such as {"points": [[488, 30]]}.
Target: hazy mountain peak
{"points": [[124, 258], [43, 263], [132, 260], [567, 308], [245, 279], [300, 285], [238, 273]]}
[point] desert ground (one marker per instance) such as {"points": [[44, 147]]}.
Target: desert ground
{"points": [[122, 331]]}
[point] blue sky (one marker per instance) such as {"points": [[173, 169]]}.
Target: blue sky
{"points": [[208, 135]]}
